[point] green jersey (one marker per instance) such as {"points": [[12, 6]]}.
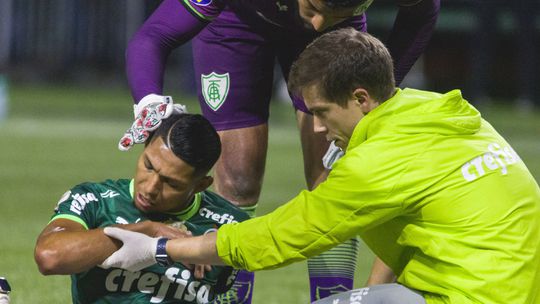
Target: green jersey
{"points": [[432, 189], [95, 205]]}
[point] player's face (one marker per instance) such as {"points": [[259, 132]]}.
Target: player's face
{"points": [[334, 121], [164, 182], [319, 17]]}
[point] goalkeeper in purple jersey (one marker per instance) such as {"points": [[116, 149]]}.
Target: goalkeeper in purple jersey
{"points": [[235, 44]]}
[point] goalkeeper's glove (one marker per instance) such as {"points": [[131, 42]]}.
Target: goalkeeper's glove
{"points": [[332, 155], [148, 115]]}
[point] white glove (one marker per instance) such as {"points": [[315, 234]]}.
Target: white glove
{"points": [[332, 155], [148, 115], [158, 99], [137, 252]]}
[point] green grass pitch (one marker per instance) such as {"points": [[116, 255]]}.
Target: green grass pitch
{"points": [[57, 137]]}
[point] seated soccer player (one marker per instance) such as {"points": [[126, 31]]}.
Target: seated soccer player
{"points": [[169, 187]]}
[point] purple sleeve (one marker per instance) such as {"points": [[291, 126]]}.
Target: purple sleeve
{"points": [[411, 33], [167, 28]]}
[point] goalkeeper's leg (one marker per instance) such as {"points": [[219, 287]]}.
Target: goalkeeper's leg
{"points": [[378, 294], [333, 271], [241, 292]]}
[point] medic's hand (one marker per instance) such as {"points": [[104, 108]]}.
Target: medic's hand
{"points": [[137, 252], [332, 155], [148, 115]]}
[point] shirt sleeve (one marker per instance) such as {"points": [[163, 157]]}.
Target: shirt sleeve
{"points": [[172, 24], [347, 203], [78, 205], [411, 33]]}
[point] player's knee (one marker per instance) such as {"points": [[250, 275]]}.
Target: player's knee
{"points": [[241, 190]]}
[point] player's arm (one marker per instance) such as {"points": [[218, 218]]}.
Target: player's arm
{"points": [[274, 240], [66, 246], [140, 251], [197, 250], [412, 30], [172, 24], [346, 204], [310, 224]]}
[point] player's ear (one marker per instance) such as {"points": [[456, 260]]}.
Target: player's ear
{"points": [[204, 183]]}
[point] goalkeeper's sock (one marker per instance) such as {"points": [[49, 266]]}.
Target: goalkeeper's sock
{"points": [[245, 279], [241, 291], [333, 271]]}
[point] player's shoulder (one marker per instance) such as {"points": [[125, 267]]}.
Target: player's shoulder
{"points": [[213, 203], [90, 199], [107, 188]]}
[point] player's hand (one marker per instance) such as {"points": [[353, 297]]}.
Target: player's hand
{"points": [[137, 252], [149, 113], [199, 270], [180, 230], [170, 230], [332, 155]]}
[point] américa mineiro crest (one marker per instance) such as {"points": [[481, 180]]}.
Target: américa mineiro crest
{"points": [[215, 88]]}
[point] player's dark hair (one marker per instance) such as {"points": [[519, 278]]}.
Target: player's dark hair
{"points": [[340, 61], [191, 138]]}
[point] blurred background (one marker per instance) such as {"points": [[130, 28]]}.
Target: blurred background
{"points": [[488, 48], [64, 103]]}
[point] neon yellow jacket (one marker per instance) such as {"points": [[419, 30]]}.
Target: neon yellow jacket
{"points": [[432, 189]]}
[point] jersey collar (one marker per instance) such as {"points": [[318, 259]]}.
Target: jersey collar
{"points": [[182, 215], [191, 209]]}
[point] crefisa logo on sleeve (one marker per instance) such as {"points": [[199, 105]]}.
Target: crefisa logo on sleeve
{"points": [[201, 2]]}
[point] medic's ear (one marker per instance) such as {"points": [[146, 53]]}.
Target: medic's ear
{"points": [[364, 100]]}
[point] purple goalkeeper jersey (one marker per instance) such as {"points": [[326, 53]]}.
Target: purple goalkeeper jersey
{"points": [[177, 21], [282, 13]]}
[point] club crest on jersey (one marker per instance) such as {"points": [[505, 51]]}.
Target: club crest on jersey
{"points": [[215, 88], [201, 2], [323, 292]]}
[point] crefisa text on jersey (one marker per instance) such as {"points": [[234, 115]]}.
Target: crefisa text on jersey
{"points": [[224, 218], [496, 158], [80, 200], [120, 280]]}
